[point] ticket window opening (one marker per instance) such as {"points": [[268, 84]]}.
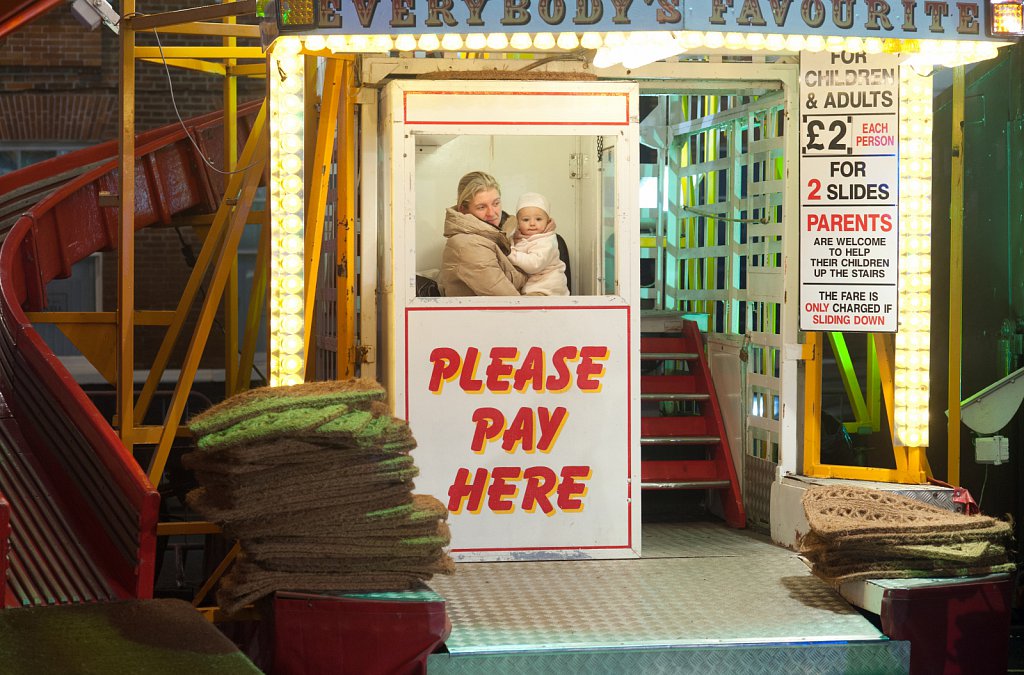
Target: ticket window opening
{"points": [[575, 173]]}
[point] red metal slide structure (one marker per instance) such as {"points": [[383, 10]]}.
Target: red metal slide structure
{"points": [[77, 514]]}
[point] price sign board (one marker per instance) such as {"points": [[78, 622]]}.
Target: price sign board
{"points": [[849, 191]]}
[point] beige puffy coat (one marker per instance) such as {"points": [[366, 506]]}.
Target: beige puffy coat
{"points": [[475, 259]]}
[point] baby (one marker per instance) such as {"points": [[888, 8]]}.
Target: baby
{"points": [[535, 248]]}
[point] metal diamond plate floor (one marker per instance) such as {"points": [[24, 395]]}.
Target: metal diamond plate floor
{"points": [[698, 584]]}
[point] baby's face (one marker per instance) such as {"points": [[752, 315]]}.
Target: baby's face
{"points": [[532, 220]]}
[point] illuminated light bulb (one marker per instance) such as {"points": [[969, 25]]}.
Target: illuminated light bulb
{"points": [[614, 39], [853, 44], [544, 41], [693, 39], [290, 344], [714, 40], [291, 324], [292, 183], [315, 43], [291, 304], [336, 43], [288, 46], [292, 284], [834, 44], [497, 41], [291, 203], [795, 43], [872, 45], [291, 103], [291, 124], [591, 40], [275, 327], [451, 42], [360, 43], [775, 42], [291, 163], [289, 64], [567, 41], [520, 41], [814, 43], [754, 41], [734, 41], [291, 143], [291, 380], [405, 43], [291, 224], [292, 264], [291, 363], [293, 244], [476, 41], [429, 42]]}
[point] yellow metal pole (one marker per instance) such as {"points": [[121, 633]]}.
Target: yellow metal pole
{"points": [[346, 239], [319, 178], [209, 251], [257, 301], [956, 276], [218, 281], [230, 155], [126, 239], [812, 404], [217, 574]]}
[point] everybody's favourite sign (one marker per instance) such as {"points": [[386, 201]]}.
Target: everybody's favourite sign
{"points": [[938, 19], [905, 19], [522, 423], [849, 191]]}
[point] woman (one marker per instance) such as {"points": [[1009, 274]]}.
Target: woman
{"points": [[475, 258]]}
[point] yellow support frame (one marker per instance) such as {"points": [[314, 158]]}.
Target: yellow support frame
{"points": [[911, 463], [316, 205], [348, 358]]}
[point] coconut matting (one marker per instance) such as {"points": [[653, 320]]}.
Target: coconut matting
{"points": [[858, 533], [841, 510], [315, 482], [268, 399]]}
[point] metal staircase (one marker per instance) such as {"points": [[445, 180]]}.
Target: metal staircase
{"points": [[682, 434]]}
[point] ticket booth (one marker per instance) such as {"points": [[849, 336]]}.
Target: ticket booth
{"points": [[524, 408]]}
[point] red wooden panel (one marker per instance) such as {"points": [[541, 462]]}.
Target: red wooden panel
{"points": [[671, 384], [324, 634], [668, 471], [675, 426]]}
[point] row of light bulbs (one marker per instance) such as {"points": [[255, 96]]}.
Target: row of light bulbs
{"points": [[287, 246], [934, 52], [911, 388]]}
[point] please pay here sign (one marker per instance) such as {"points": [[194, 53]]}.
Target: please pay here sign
{"points": [[849, 191]]}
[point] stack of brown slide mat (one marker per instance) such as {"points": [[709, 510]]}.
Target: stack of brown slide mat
{"points": [[315, 481], [860, 533]]}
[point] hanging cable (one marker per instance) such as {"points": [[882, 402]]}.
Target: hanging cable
{"points": [[174, 104]]}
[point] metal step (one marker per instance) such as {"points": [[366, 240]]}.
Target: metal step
{"points": [[667, 356], [685, 485], [674, 397], [679, 440]]}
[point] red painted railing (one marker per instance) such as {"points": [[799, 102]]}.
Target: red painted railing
{"points": [[82, 512]]}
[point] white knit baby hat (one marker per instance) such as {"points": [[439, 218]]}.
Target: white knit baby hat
{"points": [[533, 199]]}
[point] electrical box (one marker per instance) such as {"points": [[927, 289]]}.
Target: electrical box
{"points": [[991, 450]]}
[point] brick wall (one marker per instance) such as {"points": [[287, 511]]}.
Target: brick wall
{"points": [[59, 82]]}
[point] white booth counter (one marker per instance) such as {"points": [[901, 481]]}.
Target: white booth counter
{"points": [[525, 409]]}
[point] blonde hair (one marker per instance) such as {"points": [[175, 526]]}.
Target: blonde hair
{"points": [[473, 183]]}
